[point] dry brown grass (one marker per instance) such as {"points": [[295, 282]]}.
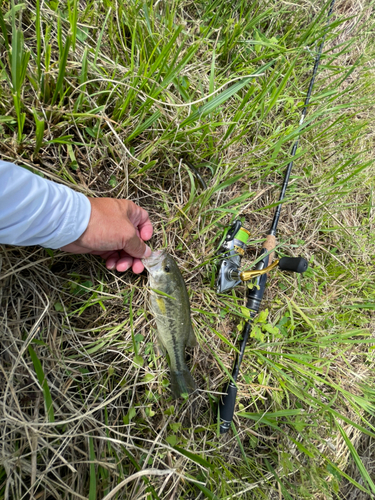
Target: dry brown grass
{"points": [[86, 347]]}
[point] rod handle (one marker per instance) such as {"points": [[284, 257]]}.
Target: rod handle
{"points": [[268, 245], [295, 264], [226, 407]]}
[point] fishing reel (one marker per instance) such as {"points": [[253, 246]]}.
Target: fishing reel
{"points": [[232, 251]]}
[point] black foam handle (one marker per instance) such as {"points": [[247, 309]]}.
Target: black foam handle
{"points": [[295, 264], [226, 407]]}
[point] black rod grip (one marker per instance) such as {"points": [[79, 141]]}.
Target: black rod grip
{"points": [[226, 408], [295, 264]]}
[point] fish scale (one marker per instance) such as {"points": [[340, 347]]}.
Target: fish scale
{"points": [[171, 308]]}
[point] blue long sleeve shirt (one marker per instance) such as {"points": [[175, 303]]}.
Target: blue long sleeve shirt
{"points": [[36, 211]]}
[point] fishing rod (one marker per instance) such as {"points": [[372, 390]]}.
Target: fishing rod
{"points": [[233, 249]]}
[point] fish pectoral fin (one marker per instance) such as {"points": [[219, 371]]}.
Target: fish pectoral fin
{"points": [[160, 347], [191, 340]]}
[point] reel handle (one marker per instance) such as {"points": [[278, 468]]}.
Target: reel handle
{"points": [[294, 264]]}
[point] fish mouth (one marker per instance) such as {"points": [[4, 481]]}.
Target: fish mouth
{"points": [[155, 261]]}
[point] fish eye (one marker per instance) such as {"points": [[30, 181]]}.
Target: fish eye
{"points": [[167, 269]]}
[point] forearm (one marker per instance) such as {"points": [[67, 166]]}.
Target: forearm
{"points": [[36, 211]]}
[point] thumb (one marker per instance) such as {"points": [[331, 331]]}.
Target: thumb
{"points": [[136, 247]]}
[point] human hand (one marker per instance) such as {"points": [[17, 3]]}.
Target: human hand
{"points": [[117, 231]]}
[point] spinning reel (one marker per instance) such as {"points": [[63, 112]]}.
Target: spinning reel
{"points": [[232, 251]]}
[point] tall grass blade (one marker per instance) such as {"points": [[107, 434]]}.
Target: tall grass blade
{"points": [[43, 382], [4, 32], [102, 31], [39, 131], [331, 467], [284, 491], [73, 17], [194, 457], [38, 42], [62, 68], [220, 99], [362, 469], [19, 62], [145, 125], [207, 493], [92, 490], [82, 82]]}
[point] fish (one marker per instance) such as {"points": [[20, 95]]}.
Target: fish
{"points": [[171, 307]]}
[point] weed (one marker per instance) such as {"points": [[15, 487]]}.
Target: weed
{"points": [[112, 98]]}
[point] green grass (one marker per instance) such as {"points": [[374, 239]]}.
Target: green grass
{"points": [[112, 98]]}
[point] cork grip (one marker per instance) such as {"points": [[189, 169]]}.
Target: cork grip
{"points": [[270, 244]]}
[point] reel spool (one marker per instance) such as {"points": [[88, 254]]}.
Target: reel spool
{"points": [[231, 253]]}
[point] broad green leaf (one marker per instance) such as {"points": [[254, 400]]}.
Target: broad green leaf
{"points": [[171, 439], [138, 361]]}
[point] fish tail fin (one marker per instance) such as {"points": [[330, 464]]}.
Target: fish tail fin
{"points": [[182, 382]]}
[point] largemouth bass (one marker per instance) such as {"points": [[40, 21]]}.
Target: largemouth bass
{"points": [[171, 308]]}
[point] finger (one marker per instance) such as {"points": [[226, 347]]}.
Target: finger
{"points": [[145, 230], [124, 263], [140, 219], [136, 247], [106, 255], [137, 266], [111, 260]]}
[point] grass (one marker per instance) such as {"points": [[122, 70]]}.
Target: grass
{"points": [[112, 98]]}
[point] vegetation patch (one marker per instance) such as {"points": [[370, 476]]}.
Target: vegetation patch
{"points": [[118, 98]]}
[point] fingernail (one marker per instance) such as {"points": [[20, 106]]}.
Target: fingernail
{"points": [[147, 253]]}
